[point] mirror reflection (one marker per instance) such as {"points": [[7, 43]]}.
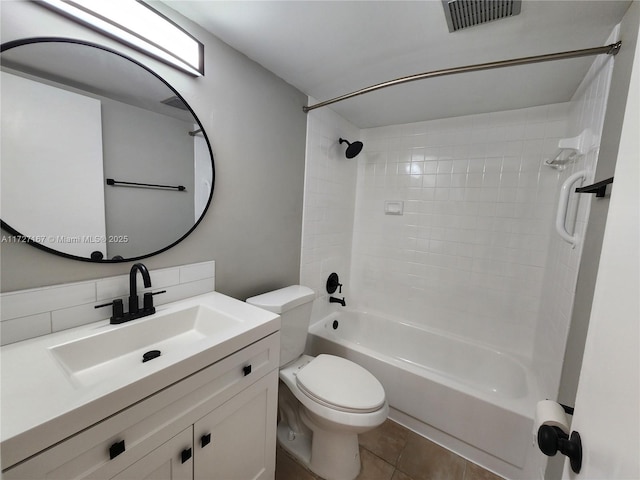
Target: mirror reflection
{"points": [[101, 159]]}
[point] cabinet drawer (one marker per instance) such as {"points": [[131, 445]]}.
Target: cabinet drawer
{"points": [[134, 432]]}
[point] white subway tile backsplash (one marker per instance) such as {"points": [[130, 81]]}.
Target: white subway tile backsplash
{"points": [[78, 315], [39, 311], [186, 290], [113, 287], [38, 300], [163, 277], [22, 328], [197, 271]]}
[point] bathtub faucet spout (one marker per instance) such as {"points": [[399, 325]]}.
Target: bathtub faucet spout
{"points": [[338, 300]]}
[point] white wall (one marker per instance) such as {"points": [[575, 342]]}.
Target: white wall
{"points": [[257, 130], [475, 253], [468, 255], [609, 148], [146, 147], [202, 174], [587, 111], [330, 185], [609, 389], [52, 182]]}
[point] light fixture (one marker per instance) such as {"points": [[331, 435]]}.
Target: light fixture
{"points": [[140, 26]]}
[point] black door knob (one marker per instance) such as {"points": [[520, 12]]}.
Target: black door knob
{"points": [[552, 440]]}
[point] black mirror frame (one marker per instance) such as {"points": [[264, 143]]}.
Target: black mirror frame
{"points": [[26, 239]]}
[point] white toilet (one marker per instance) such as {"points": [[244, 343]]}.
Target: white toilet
{"points": [[327, 400]]}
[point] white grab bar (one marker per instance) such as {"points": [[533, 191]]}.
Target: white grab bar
{"points": [[563, 204]]}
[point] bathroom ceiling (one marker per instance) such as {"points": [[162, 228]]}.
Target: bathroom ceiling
{"points": [[330, 48]]}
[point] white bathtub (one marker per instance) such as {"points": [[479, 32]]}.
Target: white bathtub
{"points": [[472, 393]]}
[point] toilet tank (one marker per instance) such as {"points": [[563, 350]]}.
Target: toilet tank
{"points": [[293, 304]]}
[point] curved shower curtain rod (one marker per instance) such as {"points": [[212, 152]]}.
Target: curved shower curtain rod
{"points": [[611, 49]]}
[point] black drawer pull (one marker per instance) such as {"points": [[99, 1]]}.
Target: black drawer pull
{"points": [[185, 455], [116, 449], [246, 370], [205, 440]]}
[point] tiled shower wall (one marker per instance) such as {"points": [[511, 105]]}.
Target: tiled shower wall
{"points": [[468, 254], [587, 111], [474, 253], [329, 198]]}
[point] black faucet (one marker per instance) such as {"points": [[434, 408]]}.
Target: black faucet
{"points": [[134, 312], [341, 301], [133, 285]]}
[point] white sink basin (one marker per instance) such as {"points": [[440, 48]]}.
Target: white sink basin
{"points": [[58, 384], [97, 357]]}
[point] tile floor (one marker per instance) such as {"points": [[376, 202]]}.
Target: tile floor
{"points": [[392, 452]]}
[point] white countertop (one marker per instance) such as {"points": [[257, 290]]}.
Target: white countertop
{"points": [[41, 404]]}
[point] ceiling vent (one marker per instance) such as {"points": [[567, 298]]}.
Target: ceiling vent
{"points": [[467, 13], [175, 102]]}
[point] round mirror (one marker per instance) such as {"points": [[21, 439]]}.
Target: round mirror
{"points": [[102, 160]]}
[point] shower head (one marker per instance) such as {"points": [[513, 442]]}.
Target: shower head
{"points": [[353, 149]]}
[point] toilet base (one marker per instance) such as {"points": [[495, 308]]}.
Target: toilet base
{"points": [[321, 438], [333, 456], [298, 445]]}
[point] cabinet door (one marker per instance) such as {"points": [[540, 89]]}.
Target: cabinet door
{"points": [[172, 460], [237, 440]]}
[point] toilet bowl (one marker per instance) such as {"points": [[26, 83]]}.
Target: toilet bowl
{"points": [[336, 400], [324, 402]]}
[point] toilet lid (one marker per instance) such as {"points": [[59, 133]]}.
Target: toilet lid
{"points": [[341, 384]]}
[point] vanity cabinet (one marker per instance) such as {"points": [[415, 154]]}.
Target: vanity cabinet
{"points": [[164, 463], [218, 423], [236, 440]]}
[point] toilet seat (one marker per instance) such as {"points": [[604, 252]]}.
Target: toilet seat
{"points": [[340, 384]]}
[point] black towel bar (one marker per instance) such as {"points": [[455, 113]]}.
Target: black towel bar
{"points": [[112, 182]]}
